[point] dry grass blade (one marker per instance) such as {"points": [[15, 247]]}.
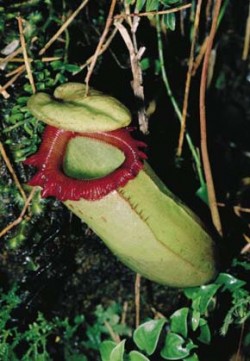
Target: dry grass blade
{"points": [[11, 56], [135, 57], [63, 27], [200, 56], [4, 93], [115, 337], [137, 299], [103, 49], [188, 79], [12, 80], [12, 172], [25, 55], [19, 69], [247, 37], [101, 42], [150, 13], [20, 218], [204, 149]]}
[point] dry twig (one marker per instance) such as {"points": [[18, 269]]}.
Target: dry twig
{"points": [[12, 80], [135, 56], [25, 55], [11, 56], [247, 37], [199, 57], [208, 9], [188, 79], [20, 218], [63, 27], [157, 315], [19, 69], [151, 13], [204, 150], [124, 313], [137, 299], [101, 42], [12, 172], [113, 335], [102, 50], [246, 248], [4, 93]]}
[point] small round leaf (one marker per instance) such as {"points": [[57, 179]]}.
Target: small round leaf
{"points": [[146, 336], [176, 347], [118, 352], [179, 321], [105, 349], [137, 356]]}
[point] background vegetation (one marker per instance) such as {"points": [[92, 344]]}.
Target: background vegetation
{"points": [[64, 295]]}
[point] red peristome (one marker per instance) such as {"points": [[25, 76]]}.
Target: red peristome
{"points": [[55, 183]]}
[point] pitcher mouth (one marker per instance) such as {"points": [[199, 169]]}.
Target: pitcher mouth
{"points": [[53, 180]]}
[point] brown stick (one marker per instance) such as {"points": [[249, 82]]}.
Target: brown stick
{"points": [[19, 69], [63, 27], [11, 56], [124, 313], [200, 56], [150, 13], [137, 299], [204, 150], [4, 93], [100, 44], [11, 81], [12, 172], [137, 82], [103, 49], [247, 37], [20, 218], [25, 55], [208, 8], [115, 337], [188, 79]]}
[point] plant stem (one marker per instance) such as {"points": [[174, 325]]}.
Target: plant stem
{"points": [[188, 79], [204, 149], [108, 24], [176, 107]]}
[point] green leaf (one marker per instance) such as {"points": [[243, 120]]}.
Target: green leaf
{"points": [[129, 2], [179, 321], [137, 356], [221, 81], [201, 296], [205, 334], [229, 282], [244, 264], [57, 65], [72, 68], [191, 292], [176, 347], [152, 5], [16, 117], [193, 357], [195, 320], [203, 194], [157, 66], [170, 21], [145, 63], [118, 352], [146, 336], [169, 2], [105, 349], [139, 4]]}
